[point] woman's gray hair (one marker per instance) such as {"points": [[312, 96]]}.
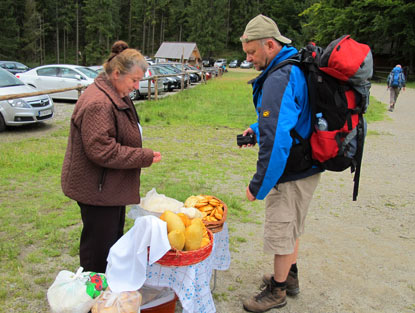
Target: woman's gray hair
{"points": [[123, 59]]}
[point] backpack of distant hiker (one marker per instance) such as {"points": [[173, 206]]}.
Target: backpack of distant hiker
{"points": [[395, 77], [338, 86]]}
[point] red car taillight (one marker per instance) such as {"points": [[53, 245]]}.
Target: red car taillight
{"points": [[149, 72]]}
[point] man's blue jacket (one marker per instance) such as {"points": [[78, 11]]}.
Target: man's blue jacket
{"points": [[281, 103]]}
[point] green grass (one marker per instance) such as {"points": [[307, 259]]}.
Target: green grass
{"points": [[376, 111], [410, 84], [195, 131], [222, 102]]}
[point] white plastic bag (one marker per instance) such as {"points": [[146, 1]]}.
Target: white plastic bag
{"points": [[75, 293], [137, 211], [155, 202]]}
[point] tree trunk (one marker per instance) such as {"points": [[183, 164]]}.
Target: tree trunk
{"points": [[40, 40], [44, 40], [77, 33], [153, 31], [228, 23], [148, 38], [161, 29], [57, 35], [64, 45], [144, 37], [130, 22]]}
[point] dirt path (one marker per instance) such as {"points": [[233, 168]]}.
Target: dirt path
{"points": [[355, 256]]}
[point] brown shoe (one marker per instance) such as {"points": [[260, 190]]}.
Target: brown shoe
{"points": [[293, 285], [269, 298]]}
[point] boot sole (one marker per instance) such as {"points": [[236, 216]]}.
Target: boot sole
{"points": [[274, 307]]}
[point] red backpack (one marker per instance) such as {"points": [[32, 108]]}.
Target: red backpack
{"points": [[338, 86]]}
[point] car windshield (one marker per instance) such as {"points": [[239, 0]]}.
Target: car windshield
{"points": [[7, 79], [88, 72], [154, 71], [163, 71], [173, 68], [21, 66], [168, 70]]}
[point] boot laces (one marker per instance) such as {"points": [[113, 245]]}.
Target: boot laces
{"points": [[266, 292]]}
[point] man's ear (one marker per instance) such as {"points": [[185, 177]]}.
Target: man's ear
{"points": [[273, 45], [270, 44]]}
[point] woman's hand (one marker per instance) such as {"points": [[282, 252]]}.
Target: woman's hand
{"points": [[156, 157]]}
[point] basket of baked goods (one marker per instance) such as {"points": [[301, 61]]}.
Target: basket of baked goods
{"points": [[191, 242], [214, 210]]}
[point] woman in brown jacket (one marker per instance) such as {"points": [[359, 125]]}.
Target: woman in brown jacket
{"points": [[104, 156]]}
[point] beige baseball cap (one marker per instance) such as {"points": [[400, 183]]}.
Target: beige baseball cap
{"points": [[261, 27]]}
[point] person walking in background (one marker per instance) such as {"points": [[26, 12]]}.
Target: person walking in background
{"points": [[281, 101], [395, 81], [104, 156]]}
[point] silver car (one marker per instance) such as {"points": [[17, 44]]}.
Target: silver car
{"points": [[25, 110], [143, 85], [58, 76]]}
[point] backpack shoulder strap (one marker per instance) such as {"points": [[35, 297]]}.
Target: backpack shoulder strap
{"points": [[293, 60]]}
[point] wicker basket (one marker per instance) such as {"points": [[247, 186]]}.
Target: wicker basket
{"points": [[184, 258], [216, 227]]}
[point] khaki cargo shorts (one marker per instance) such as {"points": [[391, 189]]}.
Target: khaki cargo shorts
{"points": [[286, 208]]}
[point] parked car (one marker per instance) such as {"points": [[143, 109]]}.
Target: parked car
{"points": [[234, 63], [246, 64], [220, 63], [143, 85], [14, 67], [57, 76], [173, 70], [25, 110], [194, 78], [170, 83], [96, 68], [194, 70], [149, 60], [208, 62]]}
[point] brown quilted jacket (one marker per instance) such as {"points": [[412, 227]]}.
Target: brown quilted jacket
{"points": [[104, 155]]}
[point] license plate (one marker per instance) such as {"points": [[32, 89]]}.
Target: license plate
{"points": [[45, 112]]}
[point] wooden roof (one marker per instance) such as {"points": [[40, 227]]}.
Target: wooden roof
{"points": [[175, 50]]}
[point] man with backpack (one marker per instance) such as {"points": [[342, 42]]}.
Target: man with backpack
{"points": [[282, 105], [395, 81]]}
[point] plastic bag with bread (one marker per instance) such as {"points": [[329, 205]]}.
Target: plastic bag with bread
{"points": [[123, 302]]}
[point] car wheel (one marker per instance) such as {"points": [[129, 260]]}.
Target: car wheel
{"points": [[135, 94], [2, 123]]}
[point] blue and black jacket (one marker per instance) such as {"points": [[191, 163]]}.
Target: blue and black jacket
{"points": [[281, 103]]}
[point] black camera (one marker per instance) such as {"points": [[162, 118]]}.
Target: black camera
{"points": [[242, 140]]}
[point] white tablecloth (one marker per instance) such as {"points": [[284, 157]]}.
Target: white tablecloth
{"points": [[192, 283]]}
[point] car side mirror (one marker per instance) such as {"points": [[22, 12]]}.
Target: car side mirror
{"points": [[78, 77]]}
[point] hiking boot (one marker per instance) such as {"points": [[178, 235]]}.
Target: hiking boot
{"points": [[293, 285], [270, 297]]}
